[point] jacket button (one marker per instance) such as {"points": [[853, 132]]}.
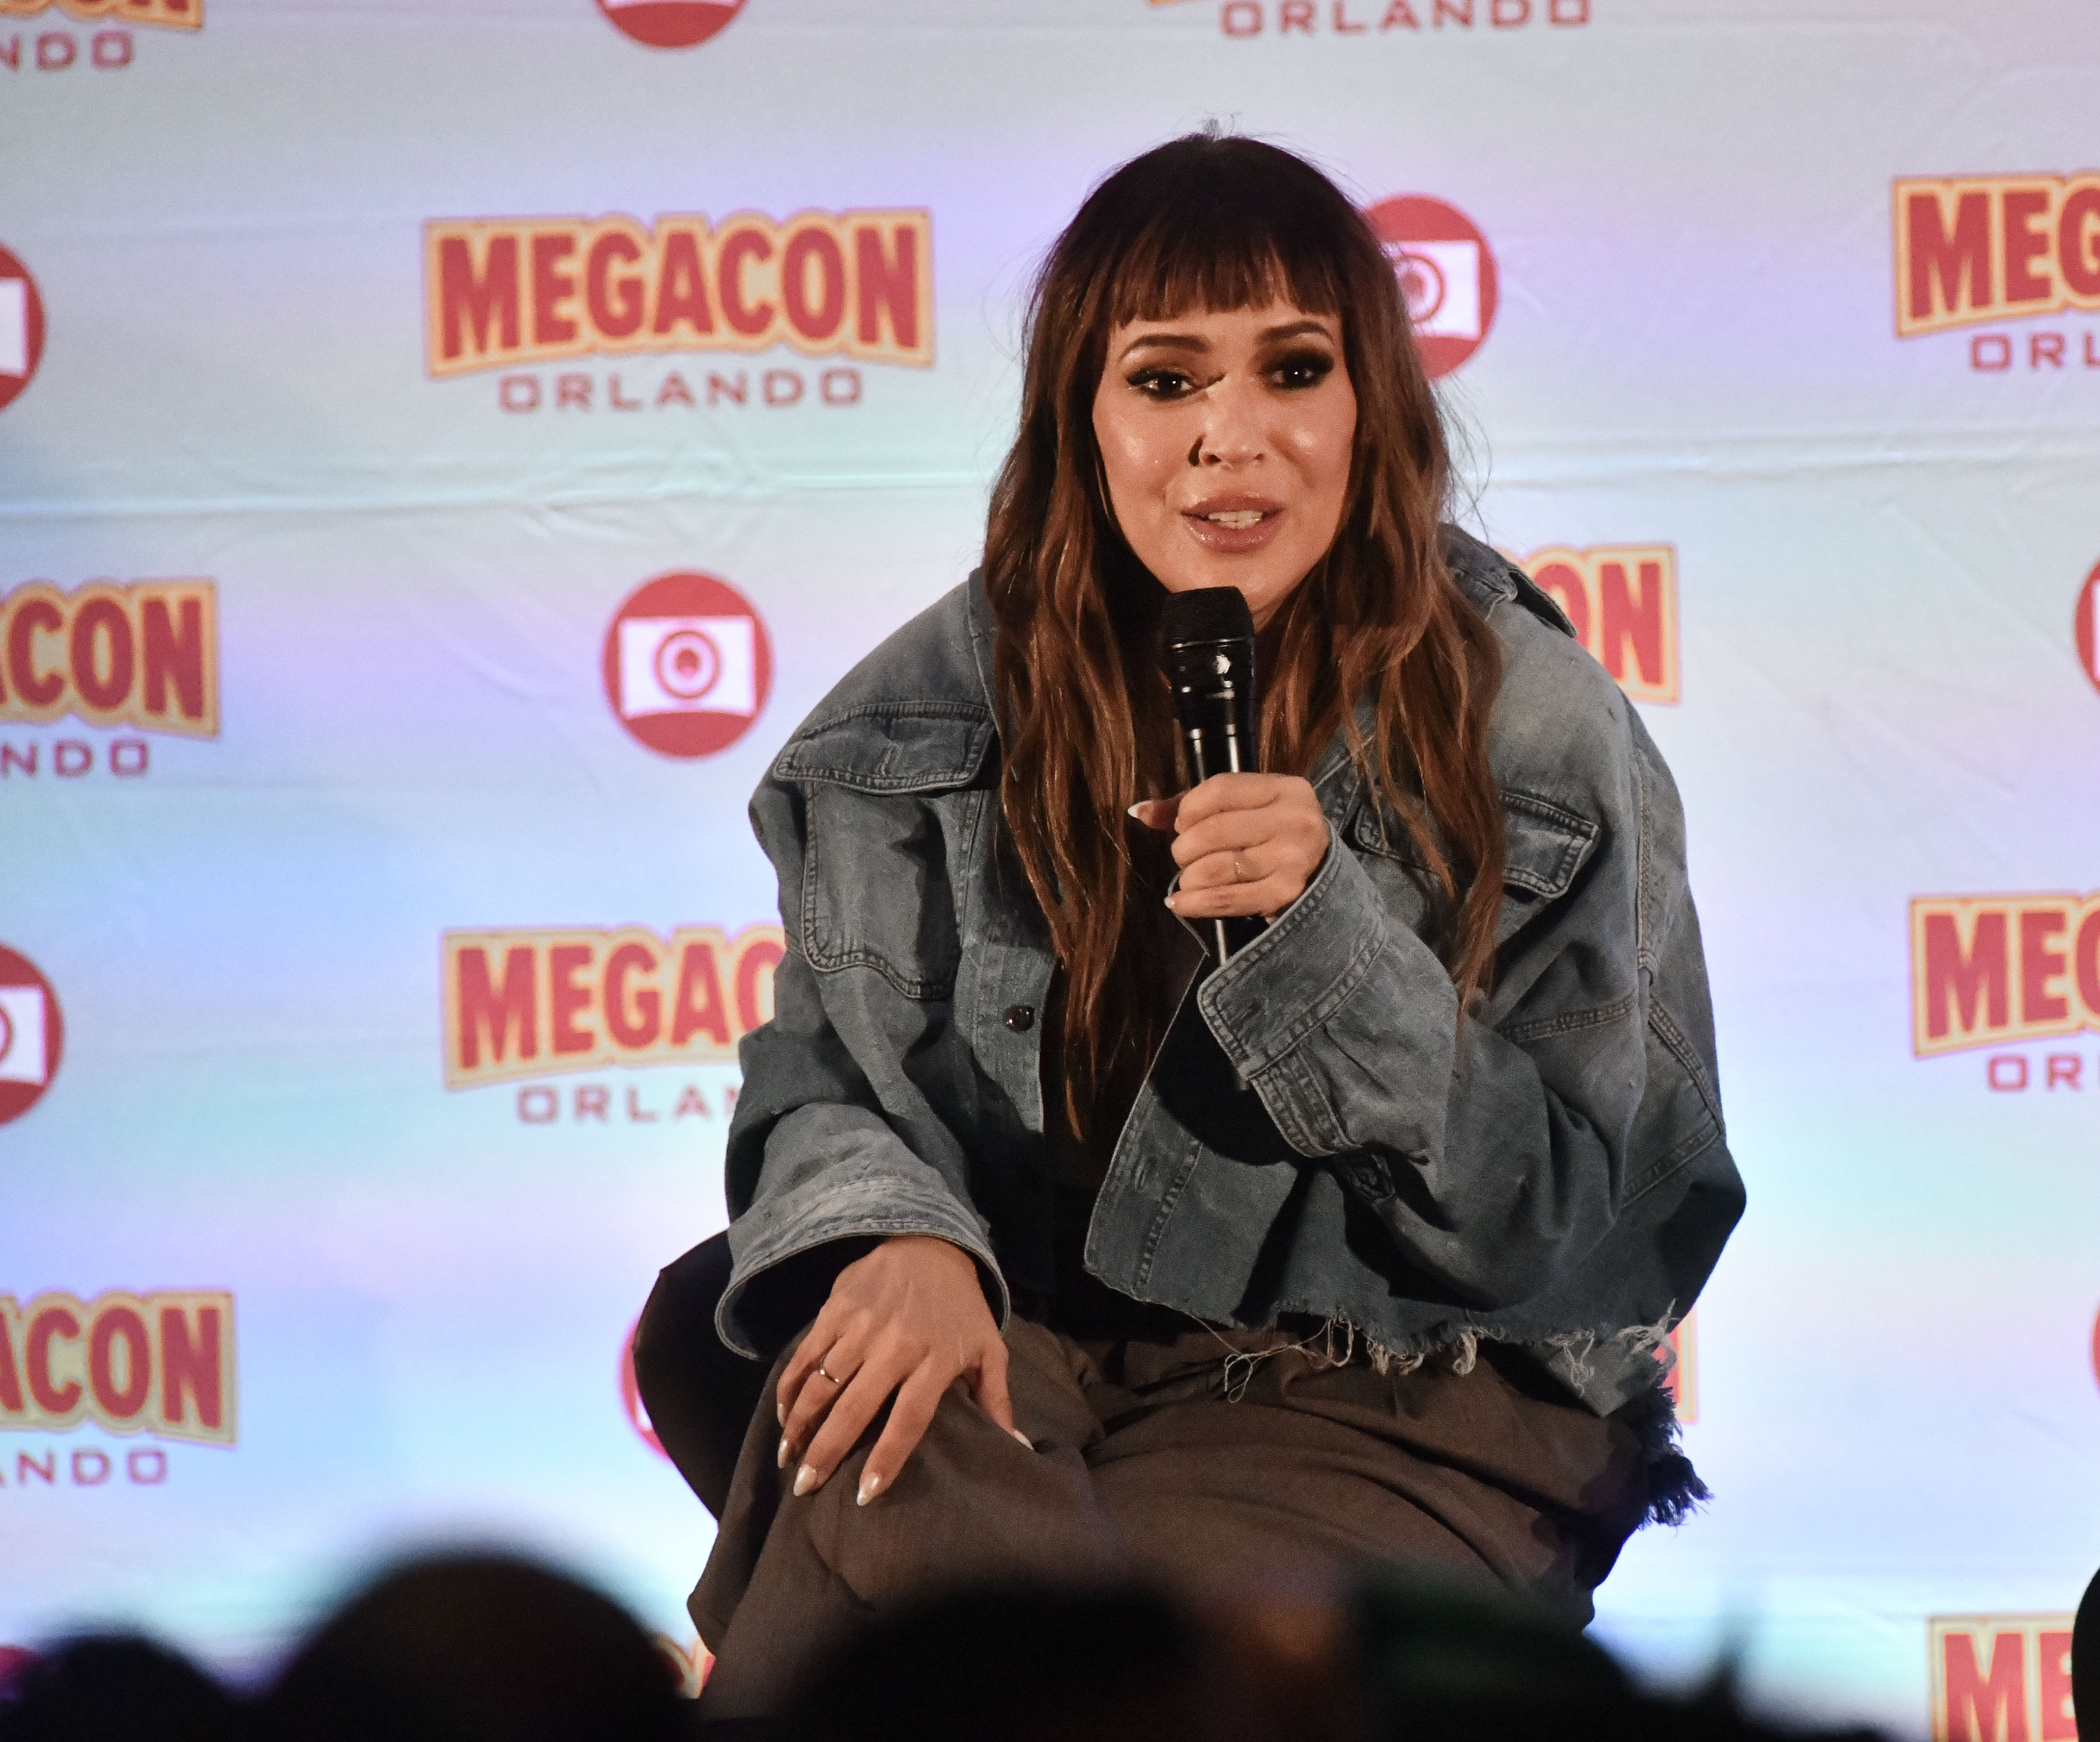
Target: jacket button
{"points": [[1020, 1017]]}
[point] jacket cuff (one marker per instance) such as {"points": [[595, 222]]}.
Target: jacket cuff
{"points": [[823, 1213], [1288, 985]]}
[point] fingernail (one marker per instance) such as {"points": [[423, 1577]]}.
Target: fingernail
{"points": [[870, 1485], [779, 1411], [1170, 901], [1135, 808], [805, 1479], [1024, 1439], [780, 1460]]}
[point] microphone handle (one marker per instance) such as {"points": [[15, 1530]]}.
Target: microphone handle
{"points": [[1205, 748], [1223, 933]]}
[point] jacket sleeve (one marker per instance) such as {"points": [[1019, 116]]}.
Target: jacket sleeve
{"points": [[1497, 1150], [836, 1141]]}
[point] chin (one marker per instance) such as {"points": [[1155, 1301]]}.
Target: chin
{"points": [[1264, 592]]}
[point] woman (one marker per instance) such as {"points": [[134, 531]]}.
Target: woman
{"points": [[1084, 1255]]}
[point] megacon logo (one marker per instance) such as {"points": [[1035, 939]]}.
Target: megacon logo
{"points": [[1621, 600], [160, 1364], [521, 1003], [2001, 1679], [1682, 1384], [687, 665], [1976, 249], [109, 48], [1382, 18], [174, 14], [671, 24], [2085, 627], [1998, 970], [1447, 275], [630, 1396], [32, 1035], [504, 293], [21, 328], [144, 654]]}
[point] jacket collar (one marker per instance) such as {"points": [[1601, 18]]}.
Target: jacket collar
{"points": [[978, 617]]}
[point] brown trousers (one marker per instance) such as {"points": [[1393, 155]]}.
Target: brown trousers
{"points": [[1208, 1463]]}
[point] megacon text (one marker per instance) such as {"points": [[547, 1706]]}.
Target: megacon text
{"points": [[2004, 1676], [176, 14], [509, 291], [143, 655], [1622, 601], [160, 1364], [1974, 248], [524, 1003], [1988, 969]]}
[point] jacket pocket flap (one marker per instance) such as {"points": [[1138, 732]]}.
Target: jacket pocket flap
{"points": [[892, 747], [1543, 844]]}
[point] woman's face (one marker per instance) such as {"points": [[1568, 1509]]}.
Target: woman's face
{"points": [[1226, 438]]}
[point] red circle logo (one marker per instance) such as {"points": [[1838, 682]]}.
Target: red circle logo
{"points": [[630, 1396], [671, 24], [1446, 273], [687, 665], [21, 328], [32, 1035], [2085, 626]]}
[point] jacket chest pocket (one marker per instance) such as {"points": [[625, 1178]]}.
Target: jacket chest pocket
{"points": [[1544, 844], [894, 797]]}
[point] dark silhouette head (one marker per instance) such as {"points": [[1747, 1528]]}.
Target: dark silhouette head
{"points": [[479, 1647], [1016, 1664], [117, 1688]]}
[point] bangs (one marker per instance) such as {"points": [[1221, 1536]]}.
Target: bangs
{"points": [[1188, 261]]}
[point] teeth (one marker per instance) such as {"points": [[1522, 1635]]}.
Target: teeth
{"points": [[1238, 519]]}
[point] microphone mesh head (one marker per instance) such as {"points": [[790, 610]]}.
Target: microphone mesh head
{"points": [[1207, 613]]}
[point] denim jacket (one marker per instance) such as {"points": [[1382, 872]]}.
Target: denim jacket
{"points": [[1550, 1171]]}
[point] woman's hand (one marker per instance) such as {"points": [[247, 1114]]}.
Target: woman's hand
{"points": [[1246, 843], [910, 1318]]}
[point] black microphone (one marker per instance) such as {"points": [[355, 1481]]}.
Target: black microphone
{"points": [[1209, 637]]}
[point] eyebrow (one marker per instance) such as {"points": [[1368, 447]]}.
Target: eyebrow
{"points": [[1194, 342]]}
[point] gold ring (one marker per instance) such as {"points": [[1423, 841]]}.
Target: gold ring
{"points": [[822, 1374]]}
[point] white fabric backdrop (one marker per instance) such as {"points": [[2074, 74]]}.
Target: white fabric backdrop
{"points": [[237, 886]]}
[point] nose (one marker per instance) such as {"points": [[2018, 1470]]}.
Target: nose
{"points": [[1231, 433]]}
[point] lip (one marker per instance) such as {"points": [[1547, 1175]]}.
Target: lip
{"points": [[1233, 540]]}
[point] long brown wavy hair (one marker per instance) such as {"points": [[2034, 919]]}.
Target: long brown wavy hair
{"points": [[1377, 636]]}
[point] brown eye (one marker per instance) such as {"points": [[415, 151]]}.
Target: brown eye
{"points": [[1303, 369], [1161, 383]]}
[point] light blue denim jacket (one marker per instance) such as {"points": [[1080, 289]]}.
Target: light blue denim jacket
{"points": [[1552, 1171]]}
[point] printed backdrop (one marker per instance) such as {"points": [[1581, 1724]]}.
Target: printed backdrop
{"points": [[444, 450]]}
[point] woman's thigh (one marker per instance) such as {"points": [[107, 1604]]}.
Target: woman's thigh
{"points": [[1472, 1478], [790, 1575]]}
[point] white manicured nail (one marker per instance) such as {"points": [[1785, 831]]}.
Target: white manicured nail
{"points": [[805, 1479], [870, 1485], [780, 1457], [1024, 1439]]}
